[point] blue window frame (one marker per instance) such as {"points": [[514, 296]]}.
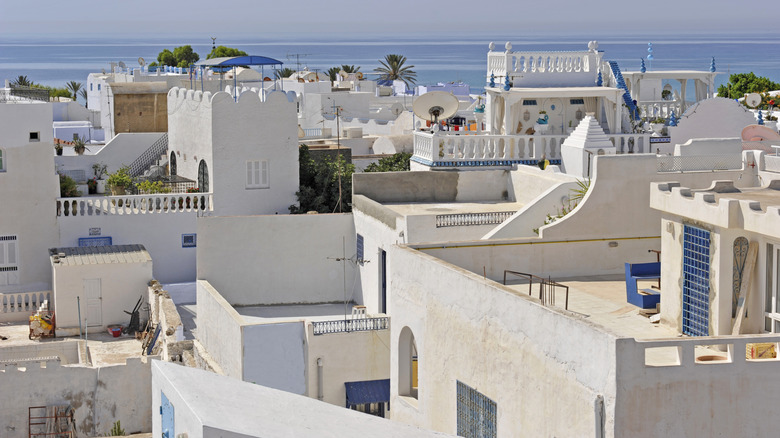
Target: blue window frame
{"points": [[577, 101], [359, 249], [98, 87], [189, 240], [527, 102], [696, 281], [476, 413]]}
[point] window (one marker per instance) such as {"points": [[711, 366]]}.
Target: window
{"points": [[98, 87], [257, 175], [35, 136], [696, 281], [9, 255], [2, 161], [577, 101], [527, 102], [188, 240], [476, 413], [90, 86], [359, 249], [407, 364]]}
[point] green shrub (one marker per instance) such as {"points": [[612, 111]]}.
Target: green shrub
{"points": [[120, 178], [68, 188]]}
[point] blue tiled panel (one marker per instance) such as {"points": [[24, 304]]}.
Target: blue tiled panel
{"points": [[476, 413], [696, 281]]}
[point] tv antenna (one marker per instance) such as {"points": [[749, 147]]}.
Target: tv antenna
{"points": [[213, 43], [435, 105], [297, 57]]}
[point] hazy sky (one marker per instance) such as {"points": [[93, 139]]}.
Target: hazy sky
{"points": [[73, 18]]}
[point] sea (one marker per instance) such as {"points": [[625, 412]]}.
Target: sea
{"points": [[457, 58]]}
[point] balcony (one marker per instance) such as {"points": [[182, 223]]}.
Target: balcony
{"points": [[461, 149], [350, 325], [162, 203]]}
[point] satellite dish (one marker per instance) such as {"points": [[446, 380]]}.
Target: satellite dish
{"points": [[435, 105], [359, 75], [396, 109], [122, 64], [759, 133], [343, 74], [141, 61], [753, 100]]}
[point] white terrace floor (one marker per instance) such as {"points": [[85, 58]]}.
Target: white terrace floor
{"points": [[288, 313], [417, 208]]}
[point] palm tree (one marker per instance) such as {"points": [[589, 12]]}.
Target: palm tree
{"points": [[350, 68], [284, 73], [393, 68], [74, 88], [83, 94], [22, 81], [333, 74]]}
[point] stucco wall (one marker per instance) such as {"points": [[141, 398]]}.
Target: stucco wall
{"points": [[99, 396], [277, 259], [711, 118], [160, 234], [422, 186], [274, 355], [219, 330], [146, 112], [346, 357], [121, 285], [529, 359], [377, 237]]}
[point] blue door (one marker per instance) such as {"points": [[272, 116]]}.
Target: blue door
{"points": [[696, 282], [166, 411]]}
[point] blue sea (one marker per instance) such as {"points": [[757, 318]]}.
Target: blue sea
{"points": [[54, 62]]}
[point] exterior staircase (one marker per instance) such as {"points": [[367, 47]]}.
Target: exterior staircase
{"points": [[156, 154], [621, 83]]}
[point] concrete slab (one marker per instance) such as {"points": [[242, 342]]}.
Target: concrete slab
{"points": [[319, 312]]}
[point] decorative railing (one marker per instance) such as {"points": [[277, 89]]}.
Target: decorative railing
{"points": [[149, 156], [24, 93], [466, 149], [501, 63], [350, 325], [22, 302], [649, 110], [312, 132], [467, 219], [699, 163], [135, 204]]}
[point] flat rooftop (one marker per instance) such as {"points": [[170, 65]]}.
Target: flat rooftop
{"points": [[417, 208], [293, 313]]}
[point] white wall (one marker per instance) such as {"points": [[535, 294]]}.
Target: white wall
{"points": [[282, 259], [219, 330], [28, 190], [99, 396], [531, 360], [711, 118], [160, 234], [274, 355]]}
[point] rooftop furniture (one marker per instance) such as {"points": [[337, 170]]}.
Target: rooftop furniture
{"points": [[649, 298]]}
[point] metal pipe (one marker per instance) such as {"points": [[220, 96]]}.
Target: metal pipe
{"points": [[78, 304], [320, 395]]}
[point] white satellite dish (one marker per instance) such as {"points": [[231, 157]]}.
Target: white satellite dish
{"points": [[753, 100], [396, 109], [141, 61], [435, 105]]}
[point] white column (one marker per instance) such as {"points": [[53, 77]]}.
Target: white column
{"points": [[683, 86]]}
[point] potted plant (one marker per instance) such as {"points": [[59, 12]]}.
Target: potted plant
{"points": [[92, 186], [541, 123], [100, 170], [657, 125], [58, 148], [79, 146], [120, 180]]}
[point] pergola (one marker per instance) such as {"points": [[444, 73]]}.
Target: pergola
{"points": [[236, 61]]}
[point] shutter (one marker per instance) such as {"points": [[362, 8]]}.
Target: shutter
{"points": [[264, 173], [11, 252], [249, 174], [3, 249]]}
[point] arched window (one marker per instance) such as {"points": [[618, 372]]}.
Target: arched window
{"points": [[203, 177], [2, 160], [172, 163], [407, 364]]}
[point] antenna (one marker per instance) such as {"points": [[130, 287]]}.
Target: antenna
{"points": [[753, 100], [435, 105], [213, 43], [297, 57]]}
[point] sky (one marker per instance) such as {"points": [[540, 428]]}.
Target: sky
{"points": [[72, 19]]}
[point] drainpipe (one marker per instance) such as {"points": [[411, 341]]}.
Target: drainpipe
{"points": [[319, 379]]}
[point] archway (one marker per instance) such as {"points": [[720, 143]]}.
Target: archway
{"points": [[203, 177], [407, 364], [172, 163]]}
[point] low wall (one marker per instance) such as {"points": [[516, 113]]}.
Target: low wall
{"points": [[163, 312], [693, 398], [67, 352], [422, 186], [219, 330], [17, 307], [99, 396]]}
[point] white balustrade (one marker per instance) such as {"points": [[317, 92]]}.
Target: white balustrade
{"points": [[18, 306], [481, 148], [499, 63], [135, 204], [631, 143], [660, 108]]}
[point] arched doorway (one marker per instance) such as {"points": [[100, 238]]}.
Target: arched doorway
{"points": [[203, 177], [407, 364], [172, 163]]}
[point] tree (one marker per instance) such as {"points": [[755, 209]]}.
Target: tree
{"points": [[284, 73], [350, 68], [743, 83], [333, 74], [22, 81], [392, 68], [225, 52], [319, 184], [182, 56], [83, 94], [74, 88], [395, 163]]}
